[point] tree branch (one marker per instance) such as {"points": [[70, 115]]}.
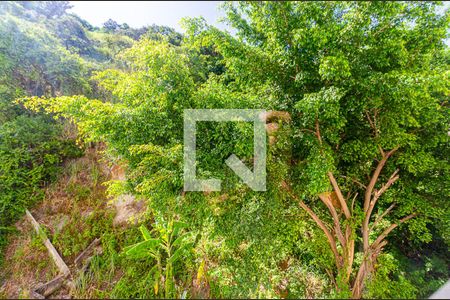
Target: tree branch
{"points": [[337, 227], [355, 181], [322, 226], [308, 130], [319, 136], [378, 249], [368, 204], [319, 222], [353, 202], [389, 229], [374, 178], [392, 179], [378, 219], [372, 124], [381, 151], [339, 195]]}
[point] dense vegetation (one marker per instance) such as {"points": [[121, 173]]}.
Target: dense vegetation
{"points": [[357, 174]]}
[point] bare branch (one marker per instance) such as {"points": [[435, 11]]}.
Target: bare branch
{"points": [[389, 229], [355, 181], [368, 204], [358, 282], [374, 178], [353, 201], [381, 151], [319, 137], [337, 227], [319, 222], [372, 124], [378, 219], [308, 130], [392, 179], [375, 114], [339, 195], [378, 249], [330, 274]]}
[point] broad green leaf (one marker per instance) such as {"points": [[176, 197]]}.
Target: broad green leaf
{"points": [[179, 252], [177, 226], [142, 249], [145, 233], [181, 239]]}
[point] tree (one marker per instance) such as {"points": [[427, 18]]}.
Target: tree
{"points": [[38, 68], [111, 25], [50, 9], [32, 146], [56, 9], [362, 150], [366, 87]]}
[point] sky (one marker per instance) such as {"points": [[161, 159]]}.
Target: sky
{"points": [[169, 13], [140, 13]]}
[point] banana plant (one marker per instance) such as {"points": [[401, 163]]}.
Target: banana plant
{"points": [[171, 243]]}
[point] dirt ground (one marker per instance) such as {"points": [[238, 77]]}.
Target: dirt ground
{"points": [[27, 261]]}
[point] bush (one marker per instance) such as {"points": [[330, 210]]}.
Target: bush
{"points": [[30, 155]]}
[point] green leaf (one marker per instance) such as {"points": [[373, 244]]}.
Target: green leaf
{"points": [[145, 233], [181, 238], [177, 226], [142, 249], [179, 252]]}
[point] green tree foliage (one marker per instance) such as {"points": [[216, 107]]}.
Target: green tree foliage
{"points": [[362, 158], [154, 31], [32, 147], [44, 51], [362, 87], [49, 9], [30, 153], [111, 25], [36, 61]]}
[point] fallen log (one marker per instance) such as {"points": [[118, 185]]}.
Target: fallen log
{"points": [[35, 295], [87, 252], [63, 269], [50, 287]]}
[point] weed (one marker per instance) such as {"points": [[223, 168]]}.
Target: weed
{"points": [[170, 245]]}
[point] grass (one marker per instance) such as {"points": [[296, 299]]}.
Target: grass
{"points": [[73, 213], [26, 258]]}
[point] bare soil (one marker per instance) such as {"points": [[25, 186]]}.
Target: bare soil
{"points": [[27, 262]]}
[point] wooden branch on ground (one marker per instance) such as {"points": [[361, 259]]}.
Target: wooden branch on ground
{"points": [[35, 295], [84, 255], [48, 288], [63, 269]]}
